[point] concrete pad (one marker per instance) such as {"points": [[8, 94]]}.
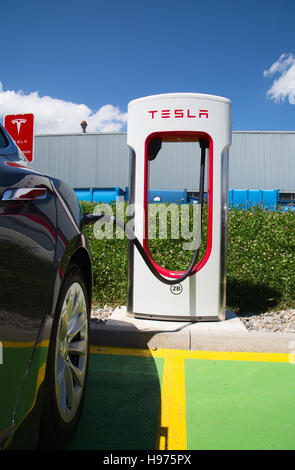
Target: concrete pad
{"points": [[122, 330], [126, 331]]}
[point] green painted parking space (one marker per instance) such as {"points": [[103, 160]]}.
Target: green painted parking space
{"points": [[240, 405], [122, 405], [225, 400]]}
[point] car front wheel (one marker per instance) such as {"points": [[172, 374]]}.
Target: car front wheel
{"points": [[67, 364]]}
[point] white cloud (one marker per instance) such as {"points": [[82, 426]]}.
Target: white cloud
{"points": [[284, 86], [57, 116]]}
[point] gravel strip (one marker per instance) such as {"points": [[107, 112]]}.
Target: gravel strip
{"points": [[283, 321], [101, 315]]}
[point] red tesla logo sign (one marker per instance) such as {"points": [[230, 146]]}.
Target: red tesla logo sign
{"points": [[21, 129], [178, 113]]}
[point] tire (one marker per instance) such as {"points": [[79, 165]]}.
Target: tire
{"points": [[67, 363]]}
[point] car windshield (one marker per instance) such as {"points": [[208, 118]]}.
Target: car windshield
{"points": [[3, 139]]}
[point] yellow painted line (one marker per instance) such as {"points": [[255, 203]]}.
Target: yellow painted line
{"points": [[40, 380], [185, 354], [172, 425], [28, 344], [113, 350], [163, 353]]}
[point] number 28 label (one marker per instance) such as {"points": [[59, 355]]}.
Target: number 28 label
{"points": [[176, 289]]}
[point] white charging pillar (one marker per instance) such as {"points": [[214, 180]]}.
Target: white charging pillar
{"points": [[201, 296]]}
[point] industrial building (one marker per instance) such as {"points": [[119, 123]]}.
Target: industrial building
{"points": [[258, 161]]}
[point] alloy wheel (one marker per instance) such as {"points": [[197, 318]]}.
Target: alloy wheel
{"points": [[71, 352]]}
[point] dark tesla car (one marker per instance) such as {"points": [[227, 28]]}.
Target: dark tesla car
{"points": [[45, 298]]}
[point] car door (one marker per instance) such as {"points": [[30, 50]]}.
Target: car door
{"points": [[27, 254]]}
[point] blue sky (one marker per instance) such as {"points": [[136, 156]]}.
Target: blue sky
{"points": [[99, 53]]}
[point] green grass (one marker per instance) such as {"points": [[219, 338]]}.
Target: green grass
{"points": [[260, 261]]}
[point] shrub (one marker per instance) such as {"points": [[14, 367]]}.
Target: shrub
{"points": [[260, 260]]}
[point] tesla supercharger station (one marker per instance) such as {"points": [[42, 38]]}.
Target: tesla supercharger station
{"points": [[179, 117]]}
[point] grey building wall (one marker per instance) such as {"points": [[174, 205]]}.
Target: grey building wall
{"points": [[263, 160], [258, 160], [84, 160]]}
